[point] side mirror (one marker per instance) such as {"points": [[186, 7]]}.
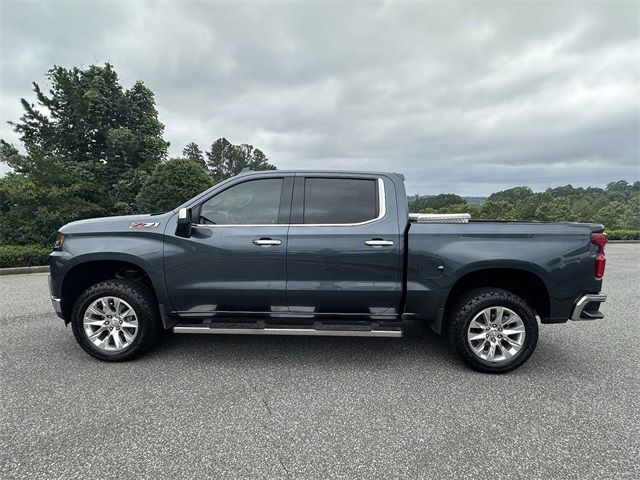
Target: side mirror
{"points": [[183, 228]]}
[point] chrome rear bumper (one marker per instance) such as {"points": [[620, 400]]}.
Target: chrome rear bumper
{"points": [[579, 312]]}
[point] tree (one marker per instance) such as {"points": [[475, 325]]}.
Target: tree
{"points": [[473, 210], [81, 139], [511, 195], [87, 118], [32, 215], [632, 217], [526, 209], [497, 210], [438, 201], [619, 186], [192, 152], [613, 215], [126, 189], [171, 184], [556, 210], [225, 159], [583, 209]]}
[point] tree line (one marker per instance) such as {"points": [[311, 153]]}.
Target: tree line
{"points": [[617, 206], [92, 148]]}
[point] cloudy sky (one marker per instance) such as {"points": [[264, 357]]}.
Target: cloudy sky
{"points": [[467, 98]]}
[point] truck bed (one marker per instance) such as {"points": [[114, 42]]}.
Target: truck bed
{"points": [[561, 255]]}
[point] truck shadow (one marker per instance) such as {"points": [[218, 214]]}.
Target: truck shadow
{"points": [[421, 346]]}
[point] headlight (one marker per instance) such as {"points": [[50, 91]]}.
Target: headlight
{"points": [[59, 240]]}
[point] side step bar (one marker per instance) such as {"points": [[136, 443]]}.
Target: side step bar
{"points": [[287, 331]]}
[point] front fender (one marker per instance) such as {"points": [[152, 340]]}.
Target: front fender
{"points": [[142, 249]]}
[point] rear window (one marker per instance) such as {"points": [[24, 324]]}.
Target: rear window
{"points": [[340, 200]]}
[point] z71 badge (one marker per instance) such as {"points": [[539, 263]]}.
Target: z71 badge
{"points": [[144, 225]]}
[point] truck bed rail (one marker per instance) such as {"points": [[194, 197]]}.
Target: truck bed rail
{"points": [[439, 217]]}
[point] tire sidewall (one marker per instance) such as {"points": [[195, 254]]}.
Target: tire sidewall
{"points": [[500, 299], [118, 290]]}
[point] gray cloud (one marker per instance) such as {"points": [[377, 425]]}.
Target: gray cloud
{"points": [[461, 97]]}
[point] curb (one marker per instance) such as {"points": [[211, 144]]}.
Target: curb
{"points": [[623, 241], [22, 270]]}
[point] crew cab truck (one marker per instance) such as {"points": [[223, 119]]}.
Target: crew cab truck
{"points": [[322, 253]]}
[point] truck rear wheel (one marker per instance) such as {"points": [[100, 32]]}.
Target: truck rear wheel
{"points": [[116, 320], [492, 330]]}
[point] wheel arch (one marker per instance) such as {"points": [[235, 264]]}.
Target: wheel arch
{"points": [[92, 270], [518, 280]]}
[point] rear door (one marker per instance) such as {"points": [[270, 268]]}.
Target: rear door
{"points": [[235, 259], [343, 253]]}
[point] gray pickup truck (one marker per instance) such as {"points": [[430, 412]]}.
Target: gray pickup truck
{"points": [[322, 253]]}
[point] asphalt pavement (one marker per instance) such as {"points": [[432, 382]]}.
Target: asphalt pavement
{"points": [[309, 407]]}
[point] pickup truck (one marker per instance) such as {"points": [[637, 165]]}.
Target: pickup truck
{"points": [[322, 253]]}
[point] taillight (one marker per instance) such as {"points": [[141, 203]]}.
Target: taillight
{"points": [[600, 240]]}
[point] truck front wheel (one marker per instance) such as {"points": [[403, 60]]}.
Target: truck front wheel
{"points": [[116, 320], [492, 330]]}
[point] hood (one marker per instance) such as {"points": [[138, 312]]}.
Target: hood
{"points": [[154, 222]]}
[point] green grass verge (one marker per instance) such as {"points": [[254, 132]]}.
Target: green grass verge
{"points": [[23, 256]]}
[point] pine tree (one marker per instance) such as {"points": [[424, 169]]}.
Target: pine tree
{"points": [[192, 152]]}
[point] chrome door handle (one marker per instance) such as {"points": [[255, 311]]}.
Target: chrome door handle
{"points": [[267, 242], [378, 242]]}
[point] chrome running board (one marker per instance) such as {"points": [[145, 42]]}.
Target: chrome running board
{"points": [[287, 331]]}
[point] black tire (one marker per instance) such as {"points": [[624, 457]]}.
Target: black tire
{"points": [[471, 304], [144, 304]]}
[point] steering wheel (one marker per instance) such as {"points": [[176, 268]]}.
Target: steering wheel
{"points": [[202, 217]]}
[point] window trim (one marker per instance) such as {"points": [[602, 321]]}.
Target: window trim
{"points": [[382, 210]]}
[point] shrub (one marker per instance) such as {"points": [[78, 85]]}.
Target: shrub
{"points": [[623, 234], [23, 256]]}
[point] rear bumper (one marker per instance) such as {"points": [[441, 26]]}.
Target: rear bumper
{"points": [[587, 307]]}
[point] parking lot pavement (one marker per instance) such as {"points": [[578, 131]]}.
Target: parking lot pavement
{"points": [[295, 407]]}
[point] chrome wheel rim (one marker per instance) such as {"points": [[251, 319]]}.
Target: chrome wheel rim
{"points": [[496, 334], [111, 324]]}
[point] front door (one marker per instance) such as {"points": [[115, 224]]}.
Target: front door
{"points": [[235, 259], [343, 254]]}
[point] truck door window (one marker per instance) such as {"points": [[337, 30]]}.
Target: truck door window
{"points": [[255, 202], [339, 200]]}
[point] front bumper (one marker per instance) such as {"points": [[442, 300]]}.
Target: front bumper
{"points": [[55, 301], [587, 307]]}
